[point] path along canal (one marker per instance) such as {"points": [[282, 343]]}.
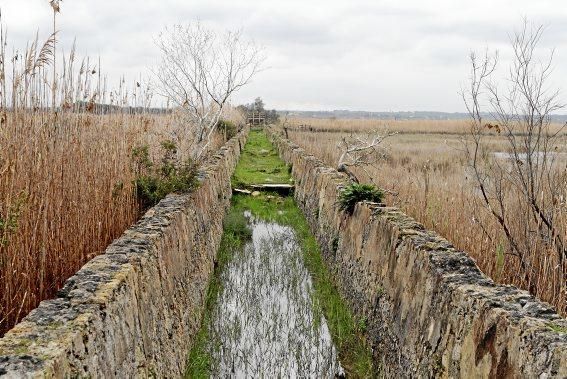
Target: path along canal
{"points": [[272, 309]]}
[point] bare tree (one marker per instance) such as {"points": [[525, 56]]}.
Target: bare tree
{"points": [[360, 151], [200, 70], [520, 187]]}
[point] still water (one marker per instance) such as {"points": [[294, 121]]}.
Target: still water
{"points": [[266, 323]]}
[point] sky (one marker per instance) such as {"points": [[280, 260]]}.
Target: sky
{"points": [[380, 55]]}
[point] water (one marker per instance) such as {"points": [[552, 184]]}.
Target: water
{"points": [[266, 323]]}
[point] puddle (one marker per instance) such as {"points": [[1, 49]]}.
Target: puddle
{"points": [[265, 323]]}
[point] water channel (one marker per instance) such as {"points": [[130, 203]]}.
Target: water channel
{"points": [[271, 291], [264, 322]]}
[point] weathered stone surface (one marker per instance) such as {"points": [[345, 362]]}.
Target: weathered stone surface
{"points": [[430, 311], [134, 310]]}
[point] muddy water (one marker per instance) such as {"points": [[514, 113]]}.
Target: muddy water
{"points": [[266, 323]]}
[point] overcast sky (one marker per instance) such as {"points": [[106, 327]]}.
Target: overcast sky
{"points": [[322, 55]]}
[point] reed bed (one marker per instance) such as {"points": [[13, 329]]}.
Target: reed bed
{"points": [[398, 126], [66, 167], [425, 172]]}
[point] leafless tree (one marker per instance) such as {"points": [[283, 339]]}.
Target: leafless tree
{"points": [[521, 188], [200, 70], [360, 151]]}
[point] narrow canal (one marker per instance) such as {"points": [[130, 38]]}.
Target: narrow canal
{"points": [[272, 310]]}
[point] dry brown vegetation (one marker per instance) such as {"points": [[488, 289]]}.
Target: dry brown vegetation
{"points": [[425, 170], [383, 126], [66, 172]]}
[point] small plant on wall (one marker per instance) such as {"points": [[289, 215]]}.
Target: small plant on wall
{"points": [[155, 180], [354, 193]]}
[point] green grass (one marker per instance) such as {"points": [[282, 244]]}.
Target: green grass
{"points": [[259, 163], [557, 328]]}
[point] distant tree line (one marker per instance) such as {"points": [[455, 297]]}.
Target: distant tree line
{"points": [[98, 108]]}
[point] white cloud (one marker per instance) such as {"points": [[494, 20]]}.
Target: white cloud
{"points": [[371, 55]]}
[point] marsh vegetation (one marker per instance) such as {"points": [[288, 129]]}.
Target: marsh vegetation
{"points": [[80, 159], [424, 171]]}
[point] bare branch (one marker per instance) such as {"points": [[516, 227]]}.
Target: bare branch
{"points": [[199, 72], [359, 151], [524, 178]]}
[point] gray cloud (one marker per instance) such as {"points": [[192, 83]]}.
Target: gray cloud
{"points": [[366, 54]]}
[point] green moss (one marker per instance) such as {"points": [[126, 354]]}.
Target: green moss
{"points": [[54, 325], [557, 328], [259, 163], [23, 346]]}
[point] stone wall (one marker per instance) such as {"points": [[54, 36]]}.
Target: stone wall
{"points": [[429, 310], [134, 310]]}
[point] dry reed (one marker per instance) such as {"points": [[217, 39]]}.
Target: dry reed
{"points": [[66, 175], [425, 169], [413, 126]]}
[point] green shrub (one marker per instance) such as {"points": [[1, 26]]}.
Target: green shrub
{"points": [[355, 193], [226, 128], [154, 181]]}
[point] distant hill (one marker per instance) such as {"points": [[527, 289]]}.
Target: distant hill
{"points": [[417, 115]]}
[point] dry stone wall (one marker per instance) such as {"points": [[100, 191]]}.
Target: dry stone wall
{"points": [[134, 310], [429, 310]]}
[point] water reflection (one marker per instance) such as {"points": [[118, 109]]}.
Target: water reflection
{"points": [[266, 322]]}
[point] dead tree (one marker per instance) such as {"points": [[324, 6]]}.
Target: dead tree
{"points": [[528, 179], [358, 151], [200, 70]]}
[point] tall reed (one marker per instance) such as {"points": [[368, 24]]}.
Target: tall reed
{"points": [[66, 172], [426, 174]]}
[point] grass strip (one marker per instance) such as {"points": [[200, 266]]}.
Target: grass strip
{"points": [[259, 163]]}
